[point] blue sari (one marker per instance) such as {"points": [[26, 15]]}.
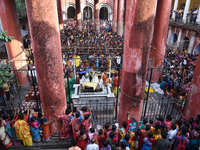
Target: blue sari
{"points": [[35, 134]]}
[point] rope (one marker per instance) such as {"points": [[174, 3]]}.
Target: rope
{"points": [[131, 97]]}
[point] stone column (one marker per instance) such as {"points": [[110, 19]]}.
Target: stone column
{"points": [[96, 15], [187, 6], [60, 14], [179, 37], [10, 23], [78, 15], [160, 36], [120, 17], [198, 17], [175, 8], [115, 11], [45, 38], [138, 35], [169, 35], [192, 40], [192, 108]]}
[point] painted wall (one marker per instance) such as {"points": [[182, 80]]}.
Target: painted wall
{"points": [[186, 33]]}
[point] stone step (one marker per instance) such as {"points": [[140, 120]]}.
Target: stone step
{"points": [[53, 145]]}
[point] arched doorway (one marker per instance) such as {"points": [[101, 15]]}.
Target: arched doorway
{"points": [[174, 39], [87, 13], [196, 49], [104, 13], [108, 13], [184, 43], [70, 12]]}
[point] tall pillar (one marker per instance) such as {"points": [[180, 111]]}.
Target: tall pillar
{"points": [[187, 5], [48, 60], [115, 10], [192, 108], [78, 15], [120, 17], [175, 8], [96, 15], [60, 14], [198, 17], [192, 40], [10, 23], [138, 35], [169, 35], [179, 37], [160, 36]]}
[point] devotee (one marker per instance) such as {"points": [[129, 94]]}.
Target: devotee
{"points": [[100, 81], [34, 127], [4, 138], [93, 146], [65, 132], [74, 147], [46, 135], [23, 131], [115, 84]]}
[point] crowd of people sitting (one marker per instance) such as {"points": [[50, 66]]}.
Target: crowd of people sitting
{"points": [[17, 127], [89, 37], [177, 74]]}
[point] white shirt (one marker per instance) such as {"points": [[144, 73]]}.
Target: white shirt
{"points": [[118, 59], [195, 12], [93, 147], [171, 136], [101, 82], [184, 62]]}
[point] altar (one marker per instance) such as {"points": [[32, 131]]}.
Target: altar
{"points": [[104, 97]]}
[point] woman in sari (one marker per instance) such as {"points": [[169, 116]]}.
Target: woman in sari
{"points": [[86, 123], [81, 139], [101, 138], [10, 130], [4, 138], [45, 127], [111, 142], [65, 132], [34, 127], [22, 131], [76, 123], [92, 135]]}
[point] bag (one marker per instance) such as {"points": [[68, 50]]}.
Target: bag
{"points": [[181, 145]]}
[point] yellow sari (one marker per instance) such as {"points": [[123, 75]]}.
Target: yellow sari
{"points": [[23, 132]]}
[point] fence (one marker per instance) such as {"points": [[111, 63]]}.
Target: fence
{"points": [[102, 113]]}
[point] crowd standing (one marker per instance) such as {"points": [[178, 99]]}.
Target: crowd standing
{"points": [[25, 127], [191, 15], [177, 75]]}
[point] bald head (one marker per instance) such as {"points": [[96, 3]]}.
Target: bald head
{"points": [[93, 141]]}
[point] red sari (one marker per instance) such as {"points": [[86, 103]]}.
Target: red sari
{"points": [[101, 138], [141, 137], [65, 132], [76, 125], [81, 141], [86, 125]]}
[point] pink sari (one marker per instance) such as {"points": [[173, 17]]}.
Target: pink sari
{"points": [[65, 132]]}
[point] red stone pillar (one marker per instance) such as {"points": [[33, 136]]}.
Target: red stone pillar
{"points": [[10, 23], [138, 35], [45, 38], [60, 17], [78, 15], [96, 15], [120, 18], [160, 36], [192, 108], [115, 10]]}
